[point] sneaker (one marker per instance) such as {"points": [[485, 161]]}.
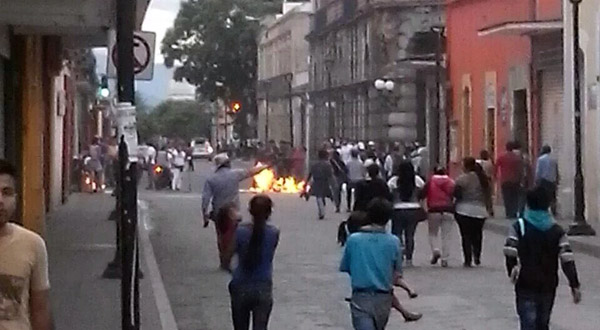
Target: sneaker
{"points": [[477, 262], [467, 265], [445, 263], [435, 258], [408, 263], [321, 217], [412, 317]]}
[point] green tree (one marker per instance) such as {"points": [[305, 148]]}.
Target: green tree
{"points": [[175, 119], [215, 41]]}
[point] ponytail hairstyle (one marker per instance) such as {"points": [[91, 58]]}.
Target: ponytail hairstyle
{"points": [[471, 166], [405, 185], [261, 207]]}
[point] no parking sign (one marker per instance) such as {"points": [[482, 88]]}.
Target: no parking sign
{"points": [[143, 55]]}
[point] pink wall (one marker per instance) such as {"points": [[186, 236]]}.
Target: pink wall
{"points": [[475, 55], [549, 10]]}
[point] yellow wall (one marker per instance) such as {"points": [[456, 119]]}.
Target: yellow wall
{"points": [[32, 192]]}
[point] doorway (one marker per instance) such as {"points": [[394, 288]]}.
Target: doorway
{"points": [[490, 132], [520, 119], [466, 120]]}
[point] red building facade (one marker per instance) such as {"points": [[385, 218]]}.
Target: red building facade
{"points": [[489, 75]]}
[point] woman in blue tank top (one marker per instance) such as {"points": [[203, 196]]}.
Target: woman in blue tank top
{"points": [[251, 287]]}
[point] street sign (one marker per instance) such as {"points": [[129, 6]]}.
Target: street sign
{"points": [[127, 128], [143, 55]]}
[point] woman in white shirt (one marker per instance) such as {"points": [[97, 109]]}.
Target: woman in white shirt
{"points": [[408, 212]]}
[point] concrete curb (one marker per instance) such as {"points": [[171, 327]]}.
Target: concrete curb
{"points": [[167, 319], [581, 247]]}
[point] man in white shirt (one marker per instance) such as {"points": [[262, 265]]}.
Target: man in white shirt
{"points": [[178, 166], [24, 284]]}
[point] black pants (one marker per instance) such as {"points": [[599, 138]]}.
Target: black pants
{"points": [[337, 194], [251, 301], [551, 189], [404, 226], [512, 194], [471, 231]]}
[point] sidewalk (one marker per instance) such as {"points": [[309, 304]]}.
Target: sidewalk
{"points": [[80, 244], [589, 245]]}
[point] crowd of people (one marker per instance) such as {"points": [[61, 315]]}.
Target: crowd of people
{"points": [[388, 196]]}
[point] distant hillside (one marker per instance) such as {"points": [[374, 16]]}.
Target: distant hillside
{"points": [[152, 92]]}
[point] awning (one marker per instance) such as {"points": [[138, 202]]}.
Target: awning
{"points": [[521, 28]]}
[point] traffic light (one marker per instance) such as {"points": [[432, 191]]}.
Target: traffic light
{"points": [[236, 107], [103, 90]]}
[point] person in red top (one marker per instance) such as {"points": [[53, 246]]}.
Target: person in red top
{"points": [[509, 171], [438, 192]]}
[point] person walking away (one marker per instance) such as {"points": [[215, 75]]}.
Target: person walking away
{"points": [[370, 188], [226, 223], [439, 191], [359, 221], [178, 167], [372, 258], [356, 173], [24, 284], [408, 212], [547, 175], [321, 176], [96, 163], [222, 187], [251, 287], [533, 248], [486, 163], [473, 205], [298, 159], [509, 171], [391, 160], [340, 172]]}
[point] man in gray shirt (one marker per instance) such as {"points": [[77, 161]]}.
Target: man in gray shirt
{"points": [[356, 173], [223, 186]]}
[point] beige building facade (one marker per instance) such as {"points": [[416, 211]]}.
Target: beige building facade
{"points": [[283, 76]]}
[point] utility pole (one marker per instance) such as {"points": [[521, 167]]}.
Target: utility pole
{"points": [[130, 309], [581, 227]]}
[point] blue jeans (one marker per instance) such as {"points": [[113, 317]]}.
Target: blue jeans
{"points": [[534, 310], [254, 300], [370, 311]]}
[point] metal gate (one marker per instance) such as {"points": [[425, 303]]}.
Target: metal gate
{"points": [[552, 105]]}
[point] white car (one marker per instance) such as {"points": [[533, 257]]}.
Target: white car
{"points": [[201, 149]]}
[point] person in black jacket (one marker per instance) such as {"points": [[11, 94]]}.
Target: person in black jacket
{"points": [[370, 188], [533, 248]]}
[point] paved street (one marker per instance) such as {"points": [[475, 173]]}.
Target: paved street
{"points": [[309, 291]]}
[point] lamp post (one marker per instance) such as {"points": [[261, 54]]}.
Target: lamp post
{"points": [[383, 85], [580, 227], [289, 78]]}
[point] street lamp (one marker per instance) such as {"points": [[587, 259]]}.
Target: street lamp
{"points": [[580, 227], [382, 85]]}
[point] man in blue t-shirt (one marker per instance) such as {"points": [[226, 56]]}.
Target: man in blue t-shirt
{"points": [[371, 258]]}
